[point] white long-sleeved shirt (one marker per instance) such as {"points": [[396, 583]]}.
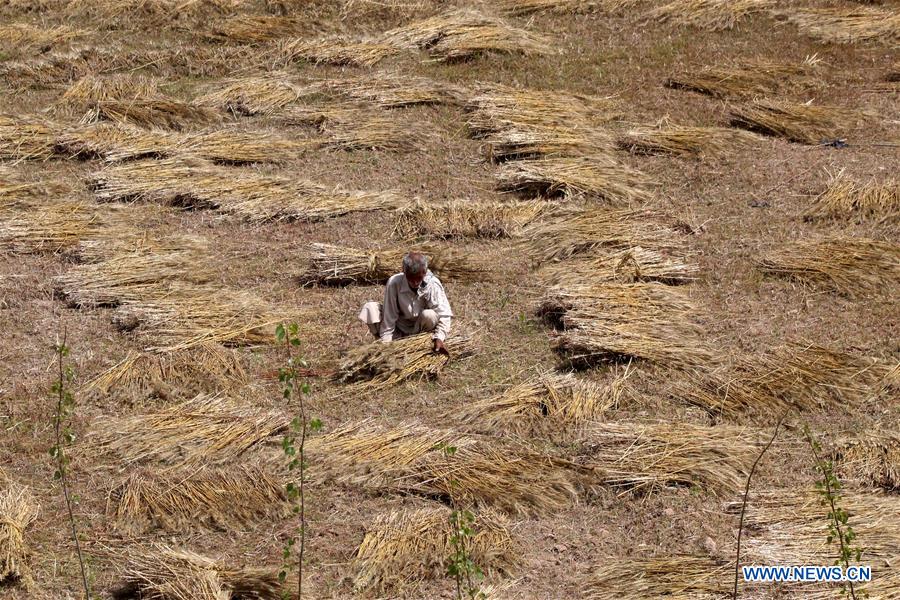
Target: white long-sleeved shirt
{"points": [[402, 307]]}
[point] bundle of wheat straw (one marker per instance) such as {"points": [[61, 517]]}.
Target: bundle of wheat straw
{"points": [[392, 89], [597, 176], [526, 7], [609, 230], [354, 127], [256, 29], [91, 89], [153, 112], [746, 79], [335, 51], [840, 25], [27, 138], [52, 226], [403, 546], [178, 499], [160, 572], [681, 140], [790, 526], [197, 183], [114, 142], [206, 368], [338, 265], [410, 458], [630, 265], [684, 576], [546, 403], [488, 39], [845, 197], [463, 219], [427, 32], [377, 365], [850, 265], [796, 122], [647, 456], [730, 394], [18, 510], [150, 13], [209, 429], [253, 95], [611, 321], [872, 458], [709, 14], [23, 37]]}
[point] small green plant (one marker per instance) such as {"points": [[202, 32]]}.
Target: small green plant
{"points": [[839, 529], [293, 444], [64, 437]]}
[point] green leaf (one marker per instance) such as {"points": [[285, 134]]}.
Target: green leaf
{"points": [[315, 424], [304, 387], [279, 332], [282, 576]]}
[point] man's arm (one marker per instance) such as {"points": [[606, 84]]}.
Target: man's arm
{"points": [[441, 305], [389, 313]]}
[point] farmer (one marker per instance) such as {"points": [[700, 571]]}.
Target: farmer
{"points": [[414, 302]]}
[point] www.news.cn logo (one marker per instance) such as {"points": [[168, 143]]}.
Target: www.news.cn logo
{"points": [[807, 573]]}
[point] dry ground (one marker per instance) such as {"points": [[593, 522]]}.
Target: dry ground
{"points": [[740, 206]]}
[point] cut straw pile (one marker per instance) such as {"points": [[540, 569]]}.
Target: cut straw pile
{"points": [[795, 122], [607, 230], [871, 458], [338, 265], [845, 198], [391, 89], [355, 127], [405, 546], [853, 266], [681, 140], [631, 265], [408, 458], [596, 176], [377, 365], [648, 456], [225, 498], [526, 7], [253, 95], [546, 404], [209, 429], [682, 577], [746, 79], [23, 37], [197, 183], [603, 322], [18, 510], [338, 51], [206, 368], [709, 14], [789, 526], [50, 225], [26, 138], [803, 377], [161, 572], [91, 89], [847, 25], [522, 123], [256, 29], [464, 219]]}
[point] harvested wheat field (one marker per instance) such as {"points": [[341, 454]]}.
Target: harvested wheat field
{"points": [[665, 232]]}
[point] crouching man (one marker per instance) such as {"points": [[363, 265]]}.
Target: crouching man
{"points": [[414, 302]]}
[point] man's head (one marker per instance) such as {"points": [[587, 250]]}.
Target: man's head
{"points": [[415, 265]]}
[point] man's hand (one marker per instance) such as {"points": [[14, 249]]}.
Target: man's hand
{"points": [[439, 348]]}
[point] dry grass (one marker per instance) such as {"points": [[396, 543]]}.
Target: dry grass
{"points": [[526, 7], [602, 230], [681, 140], [209, 429], [377, 366], [391, 89], [153, 112], [440, 464], [18, 510], [789, 526], [468, 219], [338, 265], [631, 265], [26, 138], [676, 577], [256, 29], [610, 322], [598, 176], [424, 33], [712, 15], [160, 572], [339, 51], [206, 368], [847, 25], [196, 183], [649, 456], [149, 13], [49, 225], [354, 127], [23, 37], [846, 198], [225, 498], [253, 95], [91, 89], [405, 546], [746, 79], [546, 404], [795, 122], [465, 44], [871, 458], [852, 266]]}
